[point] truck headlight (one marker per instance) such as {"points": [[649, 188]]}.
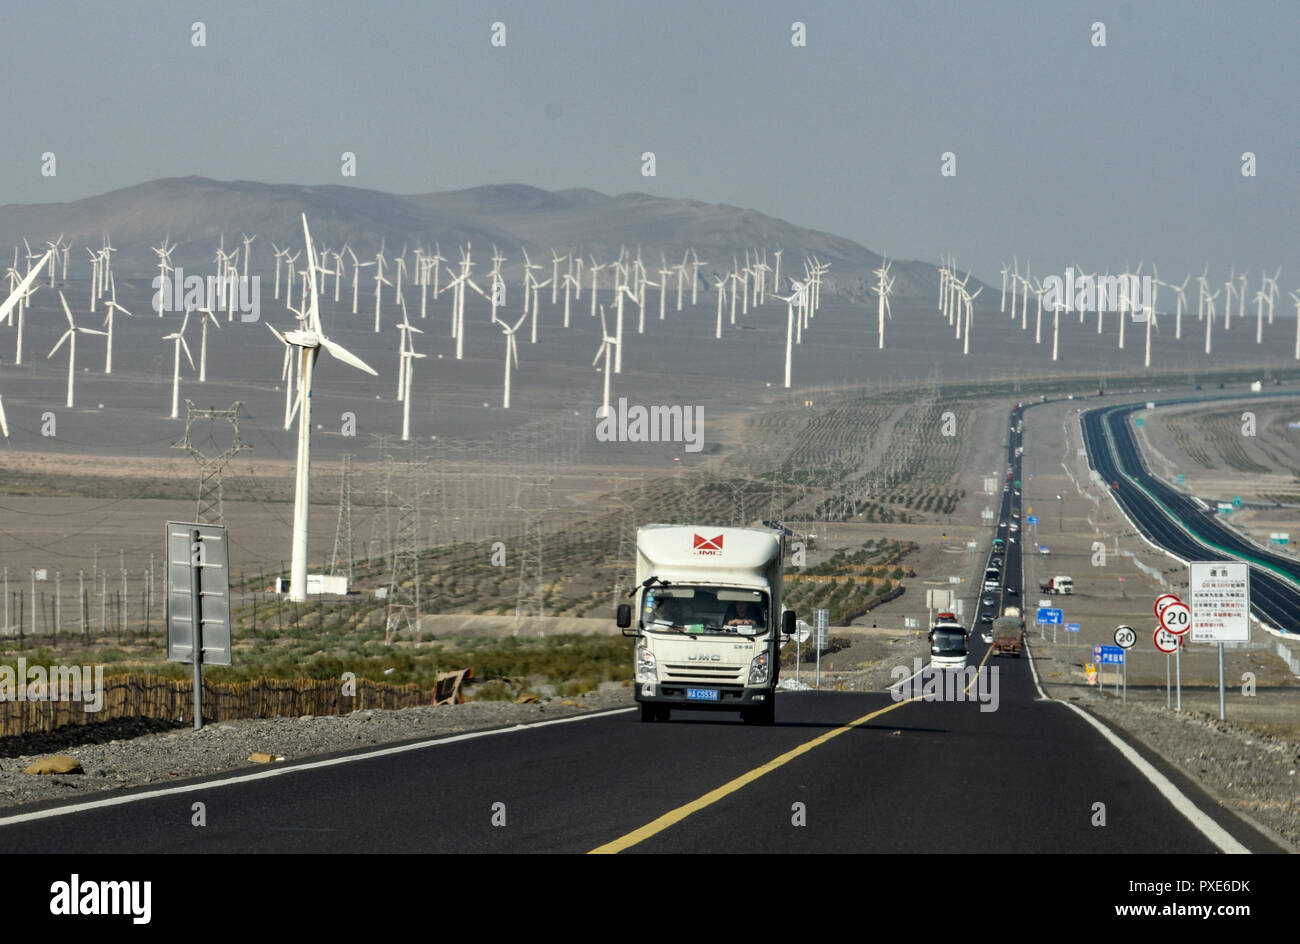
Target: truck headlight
{"points": [[759, 669], [645, 665]]}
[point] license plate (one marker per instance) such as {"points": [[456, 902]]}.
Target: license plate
{"points": [[701, 694]]}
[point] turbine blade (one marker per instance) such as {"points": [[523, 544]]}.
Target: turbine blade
{"points": [[4, 423], [343, 354], [56, 347], [66, 311], [186, 348]]}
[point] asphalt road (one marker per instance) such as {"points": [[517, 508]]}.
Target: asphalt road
{"points": [[1114, 453], [986, 769]]}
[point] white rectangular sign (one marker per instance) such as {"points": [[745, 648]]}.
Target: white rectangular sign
{"points": [[1220, 601]]}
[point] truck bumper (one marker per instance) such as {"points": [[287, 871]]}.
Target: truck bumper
{"points": [[730, 697]]}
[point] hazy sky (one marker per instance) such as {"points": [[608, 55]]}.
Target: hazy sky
{"points": [[1064, 151]]}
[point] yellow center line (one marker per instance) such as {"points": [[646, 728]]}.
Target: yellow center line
{"points": [[673, 817]]}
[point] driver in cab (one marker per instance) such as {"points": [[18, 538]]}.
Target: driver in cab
{"points": [[743, 613]]}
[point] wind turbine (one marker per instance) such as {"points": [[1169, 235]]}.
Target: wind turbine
{"points": [[512, 353], [1056, 329], [1297, 324], [884, 288], [789, 326], [71, 337], [179, 338], [356, 277], [206, 315], [408, 356], [380, 282], [16, 297], [1005, 270], [721, 283], [1209, 318], [607, 343], [309, 340], [248, 241], [108, 323], [595, 282], [556, 259], [405, 328], [279, 255]]}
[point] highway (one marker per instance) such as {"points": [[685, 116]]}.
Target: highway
{"points": [[838, 772], [1157, 509]]}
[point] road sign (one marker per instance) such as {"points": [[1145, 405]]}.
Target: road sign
{"points": [[802, 631], [987, 514], [1182, 479], [1071, 627], [990, 485], [1166, 642], [1044, 602], [821, 625], [1029, 510], [1139, 422], [1279, 537], [1220, 601], [1236, 501], [1164, 600], [1031, 519], [1096, 653], [1176, 618], [198, 592], [1125, 637], [1016, 483], [1050, 615], [952, 579], [1112, 655]]}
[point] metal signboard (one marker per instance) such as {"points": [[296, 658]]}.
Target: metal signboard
{"points": [[1031, 519], [1112, 655], [1220, 601], [198, 592], [1050, 615]]}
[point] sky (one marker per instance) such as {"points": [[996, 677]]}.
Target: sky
{"points": [[1065, 152]]}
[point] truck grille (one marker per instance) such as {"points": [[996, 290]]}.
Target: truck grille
{"points": [[702, 672]]}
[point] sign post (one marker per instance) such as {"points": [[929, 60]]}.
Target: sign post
{"points": [[821, 623], [1125, 638], [1220, 608], [198, 600]]}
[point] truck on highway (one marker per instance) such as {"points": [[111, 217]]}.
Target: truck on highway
{"points": [[1009, 632], [708, 620], [1059, 584]]}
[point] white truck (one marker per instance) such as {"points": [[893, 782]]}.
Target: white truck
{"points": [[707, 618], [1058, 584]]}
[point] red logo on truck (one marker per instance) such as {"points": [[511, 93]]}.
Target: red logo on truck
{"points": [[708, 546]]}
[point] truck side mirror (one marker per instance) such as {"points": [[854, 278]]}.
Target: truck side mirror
{"points": [[623, 616], [787, 622]]}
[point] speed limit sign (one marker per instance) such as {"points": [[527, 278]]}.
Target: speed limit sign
{"points": [[1164, 600], [1176, 618], [1125, 637], [1166, 642]]}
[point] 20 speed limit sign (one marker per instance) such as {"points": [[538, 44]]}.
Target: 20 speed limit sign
{"points": [[1166, 642], [1164, 600], [1176, 618], [1125, 637]]}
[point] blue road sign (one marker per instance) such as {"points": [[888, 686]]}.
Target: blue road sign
{"points": [[1071, 627], [1112, 655], [1031, 519], [1182, 479], [1050, 615]]}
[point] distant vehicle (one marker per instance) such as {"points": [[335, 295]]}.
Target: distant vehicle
{"points": [[1044, 550], [986, 618], [1002, 523], [996, 562], [1014, 526], [1059, 584], [1009, 632], [1011, 592], [987, 637], [998, 544], [989, 600], [948, 646], [1017, 493]]}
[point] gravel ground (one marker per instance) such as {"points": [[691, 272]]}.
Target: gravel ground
{"points": [[135, 759]]}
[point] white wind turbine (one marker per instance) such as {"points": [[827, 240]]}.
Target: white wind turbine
{"points": [[1209, 319], [512, 353], [1297, 324], [458, 284], [205, 315], [17, 295], [556, 259], [406, 330], [1015, 277], [608, 343], [179, 338], [409, 355], [71, 337], [789, 325], [380, 282], [286, 376], [279, 257], [309, 340], [356, 277], [108, 324], [970, 310], [595, 282], [721, 284], [1005, 270], [1151, 311], [1231, 287], [248, 241], [695, 273], [291, 262], [884, 288]]}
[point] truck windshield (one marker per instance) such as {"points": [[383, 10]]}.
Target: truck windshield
{"points": [[704, 609], [945, 642]]}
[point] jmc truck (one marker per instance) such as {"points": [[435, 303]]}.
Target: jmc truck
{"points": [[707, 618]]}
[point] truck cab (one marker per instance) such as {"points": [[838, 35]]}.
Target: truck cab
{"points": [[708, 620]]}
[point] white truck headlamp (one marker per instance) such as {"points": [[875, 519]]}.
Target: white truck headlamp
{"points": [[759, 669]]}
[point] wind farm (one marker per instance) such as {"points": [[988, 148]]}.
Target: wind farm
{"points": [[731, 394]]}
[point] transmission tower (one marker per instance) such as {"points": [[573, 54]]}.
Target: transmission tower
{"points": [[343, 530], [404, 585], [532, 500], [209, 507], [626, 500]]}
